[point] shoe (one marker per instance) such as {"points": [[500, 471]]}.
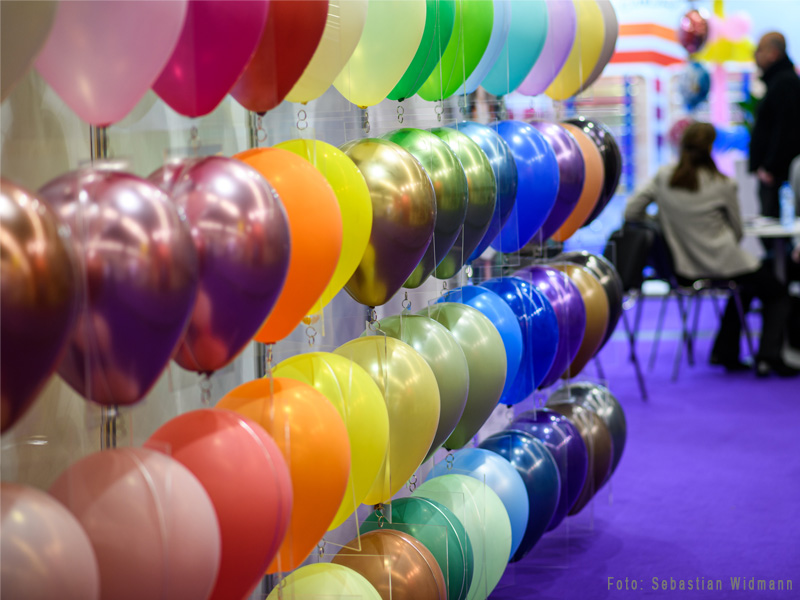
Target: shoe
{"points": [[731, 365], [765, 367]]}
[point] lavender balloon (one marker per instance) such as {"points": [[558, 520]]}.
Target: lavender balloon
{"points": [[561, 30]]}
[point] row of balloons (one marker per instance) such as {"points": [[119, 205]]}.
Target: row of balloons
{"points": [[263, 52]]}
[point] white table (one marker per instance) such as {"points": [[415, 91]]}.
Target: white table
{"points": [[771, 228]]}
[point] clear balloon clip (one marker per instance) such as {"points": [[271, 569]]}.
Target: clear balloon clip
{"points": [[205, 389], [400, 112], [406, 303], [439, 109], [311, 334], [412, 483], [450, 460], [302, 120]]}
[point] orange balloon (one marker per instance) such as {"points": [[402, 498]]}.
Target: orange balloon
{"points": [[592, 184], [313, 439], [315, 225]]}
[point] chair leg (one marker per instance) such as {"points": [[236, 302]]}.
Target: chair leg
{"points": [[695, 325], [633, 358], [743, 320], [684, 312], [659, 326]]}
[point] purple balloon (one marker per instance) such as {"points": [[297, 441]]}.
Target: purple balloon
{"points": [[571, 170], [562, 25], [567, 447], [566, 300], [139, 269], [241, 233]]}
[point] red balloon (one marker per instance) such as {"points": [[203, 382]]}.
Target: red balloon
{"points": [[291, 36]]}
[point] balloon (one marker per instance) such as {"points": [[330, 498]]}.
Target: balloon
{"points": [[438, 529], [46, 552], [539, 326], [355, 206], [216, 44], [39, 289], [595, 303], [403, 217], [315, 227], [444, 356], [611, 32], [241, 234], [399, 566], [585, 52], [389, 43], [486, 363], [601, 401], [411, 394], [564, 442], [561, 29], [450, 186], [497, 473], [571, 175], [497, 43], [482, 195], [149, 520], [440, 19], [501, 316], [597, 439], [100, 45], [505, 175], [228, 454], [360, 404], [526, 38], [693, 30], [484, 517], [343, 29], [25, 27], [473, 30], [290, 38], [313, 440], [539, 472], [140, 269], [694, 84], [537, 184], [324, 579], [592, 185]]}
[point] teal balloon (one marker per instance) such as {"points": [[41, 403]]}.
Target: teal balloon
{"points": [[439, 530], [526, 37], [440, 19]]}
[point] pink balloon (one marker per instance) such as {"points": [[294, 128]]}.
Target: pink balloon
{"points": [[103, 55], [562, 25], [151, 523], [218, 40], [46, 553]]}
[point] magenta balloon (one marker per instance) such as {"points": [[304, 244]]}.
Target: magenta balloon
{"points": [[139, 269], [103, 55], [218, 40], [571, 170], [562, 26], [241, 234], [566, 300]]}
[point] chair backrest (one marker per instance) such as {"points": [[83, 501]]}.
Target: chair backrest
{"points": [[636, 246]]}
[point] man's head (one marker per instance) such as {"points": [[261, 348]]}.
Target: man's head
{"points": [[771, 48]]}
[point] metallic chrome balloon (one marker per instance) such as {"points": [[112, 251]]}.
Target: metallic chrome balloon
{"points": [[693, 30], [450, 185], [481, 203], [39, 293], [403, 218], [241, 234], [140, 272], [399, 566]]}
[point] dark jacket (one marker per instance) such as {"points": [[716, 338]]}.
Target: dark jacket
{"points": [[776, 133]]}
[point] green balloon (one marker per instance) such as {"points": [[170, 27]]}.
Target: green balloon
{"points": [[473, 28], [447, 361], [481, 199], [450, 187], [486, 362], [439, 530], [440, 18]]}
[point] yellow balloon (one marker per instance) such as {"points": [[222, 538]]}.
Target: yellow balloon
{"points": [[360, 403], [355, 204], [412, 399], [346, 19], [388, 44], [585, 53]]}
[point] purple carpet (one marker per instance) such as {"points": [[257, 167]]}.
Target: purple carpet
{"points": [[708, 490]]}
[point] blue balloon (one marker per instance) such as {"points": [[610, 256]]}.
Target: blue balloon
{"points": [[505, 174], [539, 472], [501, 316], [694, 85], [537, 184], [496, 472], [567, 447], [539, 325]]}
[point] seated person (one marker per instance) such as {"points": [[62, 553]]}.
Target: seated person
{"points": [[699, 213]]}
